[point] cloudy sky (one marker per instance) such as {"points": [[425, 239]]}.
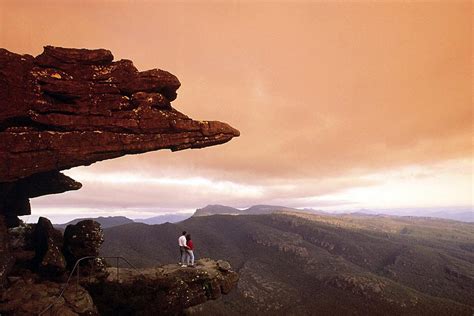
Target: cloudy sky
{"points": [[341, 105]]}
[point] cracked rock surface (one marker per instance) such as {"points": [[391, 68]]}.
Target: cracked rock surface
{"points": [[71, 107], [165, 290]]}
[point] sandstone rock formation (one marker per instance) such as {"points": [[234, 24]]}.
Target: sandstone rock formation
{"points": [[83, 240], [6, 258], [49, 258], [73, 107], [31, 296], [167, 290], [38, 283], [62, 109]]}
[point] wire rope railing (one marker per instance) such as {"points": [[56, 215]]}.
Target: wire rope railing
{"points": [[76, 270]]}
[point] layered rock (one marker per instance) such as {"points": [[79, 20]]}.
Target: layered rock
{"points": [[14, 196], [73, 107], [166, 290], [68, 108], [41, 285]]}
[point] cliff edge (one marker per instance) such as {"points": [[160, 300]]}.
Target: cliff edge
{"points": [[72, 107], [64, 108]]}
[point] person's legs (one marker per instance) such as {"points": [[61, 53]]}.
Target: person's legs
{"points": [[186, 254], [190, 257], [183, 255]]}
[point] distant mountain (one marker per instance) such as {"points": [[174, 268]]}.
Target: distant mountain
{"points": [[217, 209], [227, 210], [460, 214], [105, 222], [112, 221], [304, 264], [268, 209], [160, 219], [467, 216]]}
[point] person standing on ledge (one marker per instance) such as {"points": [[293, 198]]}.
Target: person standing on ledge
{"points": [[190, 251], [182, 249]]}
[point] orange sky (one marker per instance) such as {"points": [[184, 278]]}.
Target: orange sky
{"points": [[331, 98]]}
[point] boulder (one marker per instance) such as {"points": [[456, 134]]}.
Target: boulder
{"points": [[49, 259], [83, 240], [223, 265]]}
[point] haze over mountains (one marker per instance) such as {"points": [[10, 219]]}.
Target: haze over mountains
{"points": [[253, 210], [304, 262], [111, 221], [463, 214], [300, 264], [459, 214]]}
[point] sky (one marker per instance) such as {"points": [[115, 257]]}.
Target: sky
{"points": [[342, 105]]}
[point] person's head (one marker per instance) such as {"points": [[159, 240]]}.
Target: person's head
{"points": [[184, 233], [188, 237]]}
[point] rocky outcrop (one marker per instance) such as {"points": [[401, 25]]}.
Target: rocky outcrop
{"points": [[167, 290], [30, 296], [49, 258], [14, 196], [73, 107], [83, 240], [67, 108], [44, 250], [23, 247], [42, 281], [6, 258]]}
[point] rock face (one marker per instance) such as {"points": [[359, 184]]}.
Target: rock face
{"points": [[29, 296], [14, 196], [6, 258], [167, 290], [67, 108], [37, 281], [49, 258], [73, 107], [82, 240]]}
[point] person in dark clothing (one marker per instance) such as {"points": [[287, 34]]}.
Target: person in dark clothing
{"points": [[189, 251]]}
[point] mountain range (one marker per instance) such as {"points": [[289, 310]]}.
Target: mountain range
{"points": [[295, 263], [253, 210], [463, 214], [111, 221]]}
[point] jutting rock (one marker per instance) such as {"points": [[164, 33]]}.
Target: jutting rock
{"points": [[73, 107], [66, 108]]}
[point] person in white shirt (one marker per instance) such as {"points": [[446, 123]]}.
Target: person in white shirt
{"points": [[182, 249]]}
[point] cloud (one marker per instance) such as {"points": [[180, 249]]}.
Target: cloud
{"points": [[138, 192], [324, 94], [441, 184]]}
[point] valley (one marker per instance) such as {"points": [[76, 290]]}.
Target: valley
{"points": [[299, 264]]}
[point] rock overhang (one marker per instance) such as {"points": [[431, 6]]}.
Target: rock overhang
{"points": [[71, 107]]}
